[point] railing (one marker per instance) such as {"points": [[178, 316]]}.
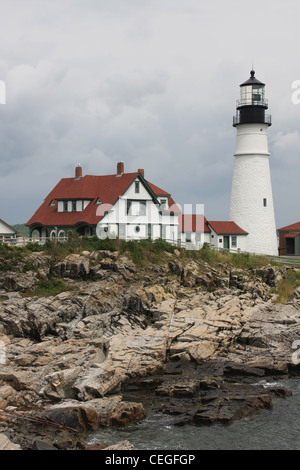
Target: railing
{"points": [[292, 261], [237, 119], [23, 241], [252, 102]]}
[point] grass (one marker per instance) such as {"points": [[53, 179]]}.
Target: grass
{"points": [[147, 250], [48, 287], [286, 287], [10, 256], [141, 251], [242, 260]]}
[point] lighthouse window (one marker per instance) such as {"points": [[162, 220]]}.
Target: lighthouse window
{"points": [[265, 202]]}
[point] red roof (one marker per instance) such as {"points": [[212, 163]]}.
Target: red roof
{"points": [[193, 223], [291, 235], [107, 188], [295, 226], [227, 227]]}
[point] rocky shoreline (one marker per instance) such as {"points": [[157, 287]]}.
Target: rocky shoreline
{"points": [[192, 340]]}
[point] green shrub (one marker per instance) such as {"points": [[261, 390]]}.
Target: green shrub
{"points": [[147, 250], [49, 287]]}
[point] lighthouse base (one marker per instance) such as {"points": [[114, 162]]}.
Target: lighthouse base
{"points": [[251, 204]]}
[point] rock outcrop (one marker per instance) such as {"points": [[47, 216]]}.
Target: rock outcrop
{"points": [[192, 333]]}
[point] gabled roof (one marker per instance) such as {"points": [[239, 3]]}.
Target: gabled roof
{"points": [[9, 226], [295, 226], [226, 228], [193, 223], [107, 188]]}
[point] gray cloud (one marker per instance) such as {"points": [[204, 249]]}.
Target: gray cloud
{"points": [[151, 83]]}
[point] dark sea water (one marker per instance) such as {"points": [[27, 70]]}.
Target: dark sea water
{"points": [[274, 429]]}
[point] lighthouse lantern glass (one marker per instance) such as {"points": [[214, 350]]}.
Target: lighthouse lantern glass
{"points": [[252, 95]]}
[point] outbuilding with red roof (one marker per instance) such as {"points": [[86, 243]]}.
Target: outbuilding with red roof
{"points": [[289, 239]]}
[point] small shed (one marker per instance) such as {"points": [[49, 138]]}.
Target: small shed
{"points": [[289, 239]]}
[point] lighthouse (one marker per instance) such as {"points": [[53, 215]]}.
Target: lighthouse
{"points": [[251, 205]]}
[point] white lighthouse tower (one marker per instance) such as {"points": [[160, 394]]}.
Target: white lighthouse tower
{"points": [[251, 204]]}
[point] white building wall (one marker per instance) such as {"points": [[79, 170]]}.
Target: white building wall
{"points": [[135, 225], [6, 230], [251, 185]]}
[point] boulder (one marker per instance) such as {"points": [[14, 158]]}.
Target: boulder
{"points": [[6, 444]]}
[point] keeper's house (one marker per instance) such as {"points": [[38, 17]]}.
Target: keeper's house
{"points": [[123, 205]]}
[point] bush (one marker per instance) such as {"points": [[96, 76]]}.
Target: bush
{"points": [[49, 287], [146, 250]]}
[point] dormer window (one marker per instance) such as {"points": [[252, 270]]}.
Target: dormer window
{"points": [[52, 203], [74, 208], [137, 187], [98, 201], [65, 206]]}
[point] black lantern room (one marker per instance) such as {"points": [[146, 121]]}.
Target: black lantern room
{"points": [[252, 103]]}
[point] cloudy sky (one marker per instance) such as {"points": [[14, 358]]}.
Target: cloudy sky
{"points": [[152, 83]]}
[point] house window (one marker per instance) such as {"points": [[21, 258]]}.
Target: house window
{"points": [[136, 207], [65, 206], [129, 204], [137, 229], [265, 202], [142, 210], [234, 241], [163, 203], [122, 230], [137, 187], [73, 206]]}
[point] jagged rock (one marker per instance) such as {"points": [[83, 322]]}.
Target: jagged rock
{"points": [[6, 444], [74, 266], [20, 282], [79, 350], [41, 445], [124, 445]]}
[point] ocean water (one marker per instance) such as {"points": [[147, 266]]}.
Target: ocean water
{"points": [[274, 429]]}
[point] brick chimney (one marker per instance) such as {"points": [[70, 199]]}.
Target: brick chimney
{"points": [[120, 169], [142, 172], [78, 172]]}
